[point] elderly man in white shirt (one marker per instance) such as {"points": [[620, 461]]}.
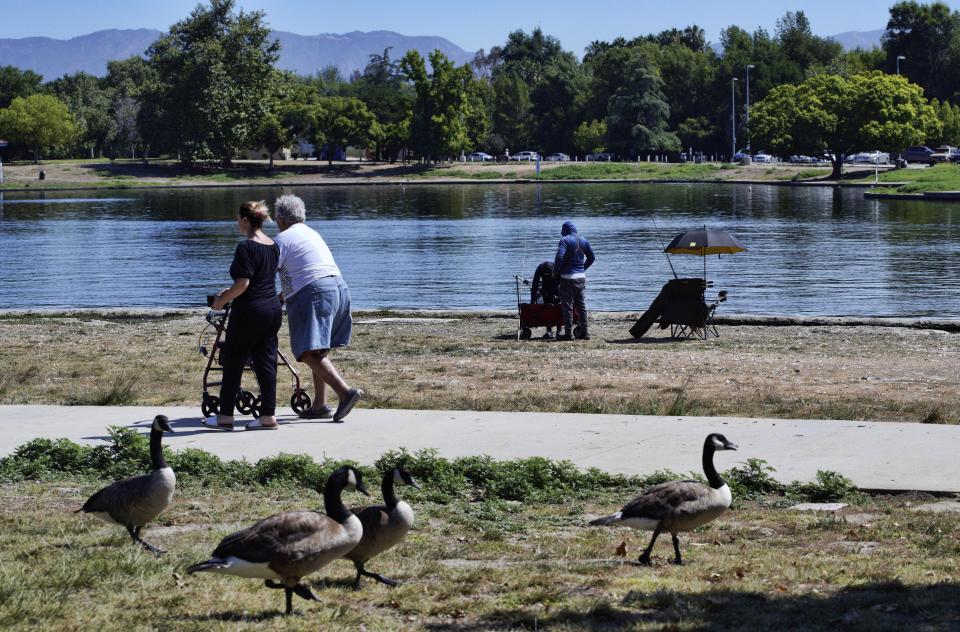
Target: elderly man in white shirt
{"points": [[318, 306]]}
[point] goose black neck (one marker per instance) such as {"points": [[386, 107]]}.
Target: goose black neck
{"points": [[389, 497], [332, 502], [156, 450], [712, 477]]}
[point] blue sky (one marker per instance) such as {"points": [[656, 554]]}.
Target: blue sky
{"points": [[470, 25]]}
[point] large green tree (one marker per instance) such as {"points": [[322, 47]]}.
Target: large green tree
{"points": [[90, 102], [949, 116], [129, 82], [17, 83], [512, 117], [840, 115], [438, 126], [342, 122], [928, 36], [589, 138], [215, 68], [638, 112], [556, 104], [39, 122], [529, 56], [387, 95]]}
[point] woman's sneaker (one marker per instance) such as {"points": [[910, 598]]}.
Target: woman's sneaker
{"points": [[347, 404]]}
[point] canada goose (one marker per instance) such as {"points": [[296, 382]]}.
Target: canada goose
{"points": [[678, 505], [135, 501], [288, 546], [384, 526]]}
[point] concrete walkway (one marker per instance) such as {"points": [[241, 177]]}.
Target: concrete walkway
{"points": [[875, 455]]}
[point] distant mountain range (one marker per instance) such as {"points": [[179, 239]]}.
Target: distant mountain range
{"points": [[303, 54], [859, 39]]}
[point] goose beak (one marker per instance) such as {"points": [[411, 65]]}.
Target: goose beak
{"points": [[362, 489], [731, 445], [414, 484]]}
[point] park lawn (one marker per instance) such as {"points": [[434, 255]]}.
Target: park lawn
{"points": [[471, 361], [943, 177], [479, 564], [582, 171]]}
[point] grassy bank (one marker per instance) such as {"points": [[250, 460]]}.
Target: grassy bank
{"points": [[476, 363], [134, 173], [943, 177], [496, 546]]}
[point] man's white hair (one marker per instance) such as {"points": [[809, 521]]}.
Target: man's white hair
{"points": [[289, 209]]}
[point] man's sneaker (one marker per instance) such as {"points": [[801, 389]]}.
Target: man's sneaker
{"points": [[564, 337], [585, 337], [324, 412], [347, 404]]}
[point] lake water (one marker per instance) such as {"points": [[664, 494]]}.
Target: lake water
{"points": [[812, 251]]}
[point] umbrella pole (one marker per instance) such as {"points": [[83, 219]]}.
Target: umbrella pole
{"points": [[703, 251], [519, 317]]}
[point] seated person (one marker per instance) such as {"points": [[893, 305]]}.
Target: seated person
{"points": [[544, 286]]}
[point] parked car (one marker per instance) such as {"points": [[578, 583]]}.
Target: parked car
{"points": [[920, 153], [601, 157], [479, 156], [558, 157], [762, 156], [740, 155], [944, 153], [801, 159], [525, 155], [868, 158]]}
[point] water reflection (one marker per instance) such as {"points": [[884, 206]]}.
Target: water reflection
{"points": [[823, 251]]}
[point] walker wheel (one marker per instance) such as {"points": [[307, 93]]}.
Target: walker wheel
{"points": [[300, 401], [210, 405], [246, 401], [257, 405], [525, 333]]}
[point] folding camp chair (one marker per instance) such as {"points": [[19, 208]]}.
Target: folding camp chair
{"points": [[682, 306]]}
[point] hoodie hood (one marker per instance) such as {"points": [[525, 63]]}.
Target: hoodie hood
{"points": [[568, 229]]}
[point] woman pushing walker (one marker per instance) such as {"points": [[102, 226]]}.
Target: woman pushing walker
{"points": [[255, 318]]}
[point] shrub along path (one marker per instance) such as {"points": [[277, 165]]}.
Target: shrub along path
{"points": [[888, 455]]}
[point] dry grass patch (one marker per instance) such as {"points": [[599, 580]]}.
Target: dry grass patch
{"points": [[487, 566], [476, 363]]}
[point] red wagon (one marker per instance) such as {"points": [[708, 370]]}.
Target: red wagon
{"points": [[541, 315]]}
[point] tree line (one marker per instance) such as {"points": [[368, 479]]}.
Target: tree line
{"points": [[210, 88]]}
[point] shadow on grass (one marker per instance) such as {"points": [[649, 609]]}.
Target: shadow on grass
{"points": [[644, 341], [238, 616], [875, 607], [242, 172]]}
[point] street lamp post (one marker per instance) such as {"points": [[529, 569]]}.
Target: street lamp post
{"points": [[899, 59], [733, 118], [749, 66]]}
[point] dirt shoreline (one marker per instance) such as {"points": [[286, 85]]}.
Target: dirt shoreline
{"points": [[747, 320], [470, 361]]}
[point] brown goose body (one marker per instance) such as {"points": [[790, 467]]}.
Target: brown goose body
{"points": [[283, 548], [288, 545], [677, 506], [137, 500], [384, 526]]}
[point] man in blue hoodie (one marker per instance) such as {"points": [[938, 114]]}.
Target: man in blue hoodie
{"points": [[574, 256]]}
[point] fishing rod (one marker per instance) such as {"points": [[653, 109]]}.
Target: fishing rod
{"points": [[665, 253]]}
